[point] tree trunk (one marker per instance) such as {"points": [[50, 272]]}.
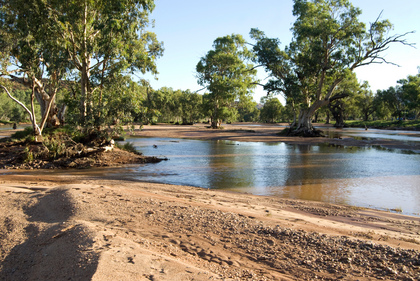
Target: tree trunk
{"points": [[316, 117], [49, 109], [215, 121], [85, 72], [37, 131], [366, 117], [31, 112], [337, 110], [84, 85], [304, 123]]}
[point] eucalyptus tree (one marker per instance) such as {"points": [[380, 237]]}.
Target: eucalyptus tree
{"points": [[411, 91], [393, 99], [329, 42], [191, 105], [365, 101], [227, 74], [30, 57], [247, 110], [342, 107], [103, 39], [272, 110], [92, 43]]}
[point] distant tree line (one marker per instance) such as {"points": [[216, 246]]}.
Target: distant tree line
{"points": [[72, 62], [139, 103]]}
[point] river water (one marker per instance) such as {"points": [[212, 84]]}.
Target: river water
{"points": [[366, 177]]}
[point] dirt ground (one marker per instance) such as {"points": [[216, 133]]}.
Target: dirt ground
{"points": [[57, 227]]}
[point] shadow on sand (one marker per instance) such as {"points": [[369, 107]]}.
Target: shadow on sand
{"points": [[55, 249]]}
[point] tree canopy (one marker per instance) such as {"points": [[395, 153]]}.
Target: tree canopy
{"points": [[329, 42], [92, 44], [227, 74]]}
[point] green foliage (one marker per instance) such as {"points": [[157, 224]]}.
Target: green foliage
{"points": [[329, 42], [11, 111], [191, 105], [128, 146], [385, 124], [28, 155], [393, 100], [170, 106], [410, 88], [92, 44], [227, 75], [272, 110], [247, 110]]}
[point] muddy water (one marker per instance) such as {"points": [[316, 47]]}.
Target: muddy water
{"points": [[365, 177], [412, 137]]}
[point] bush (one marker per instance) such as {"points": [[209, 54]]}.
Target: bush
{"points": [[128, 146], [28, 156], [55, 145]]}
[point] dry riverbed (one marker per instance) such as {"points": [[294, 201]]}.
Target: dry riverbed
{"points": [[56, 227]]}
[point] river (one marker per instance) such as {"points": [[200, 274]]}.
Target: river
{"points": [[367, 177], [371, 177]]}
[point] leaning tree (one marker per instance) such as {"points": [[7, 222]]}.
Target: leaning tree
{"points": [[329, 42]]}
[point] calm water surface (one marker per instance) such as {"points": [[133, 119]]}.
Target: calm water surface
{"points": [[412, 137], [366, 177]]}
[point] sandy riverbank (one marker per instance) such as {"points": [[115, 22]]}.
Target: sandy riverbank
{"points": [[265, 133], [67, 228], [55, 228]]}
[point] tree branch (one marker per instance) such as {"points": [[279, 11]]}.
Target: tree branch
{"points": [[200, 90], [339, 96], [372, 55], [23, 106]]}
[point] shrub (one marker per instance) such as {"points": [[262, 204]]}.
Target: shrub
{"points": [[128, 146]]}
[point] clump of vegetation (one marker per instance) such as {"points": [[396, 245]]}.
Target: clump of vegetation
{"points": [[289, 131], [128, 146], [60, 142], [28, 155], [57, 145], [6, 122]]}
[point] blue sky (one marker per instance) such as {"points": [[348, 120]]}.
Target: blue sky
{"points": [[189, 27]]}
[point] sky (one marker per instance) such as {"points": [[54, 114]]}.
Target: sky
{"points": [[189, 27]]}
